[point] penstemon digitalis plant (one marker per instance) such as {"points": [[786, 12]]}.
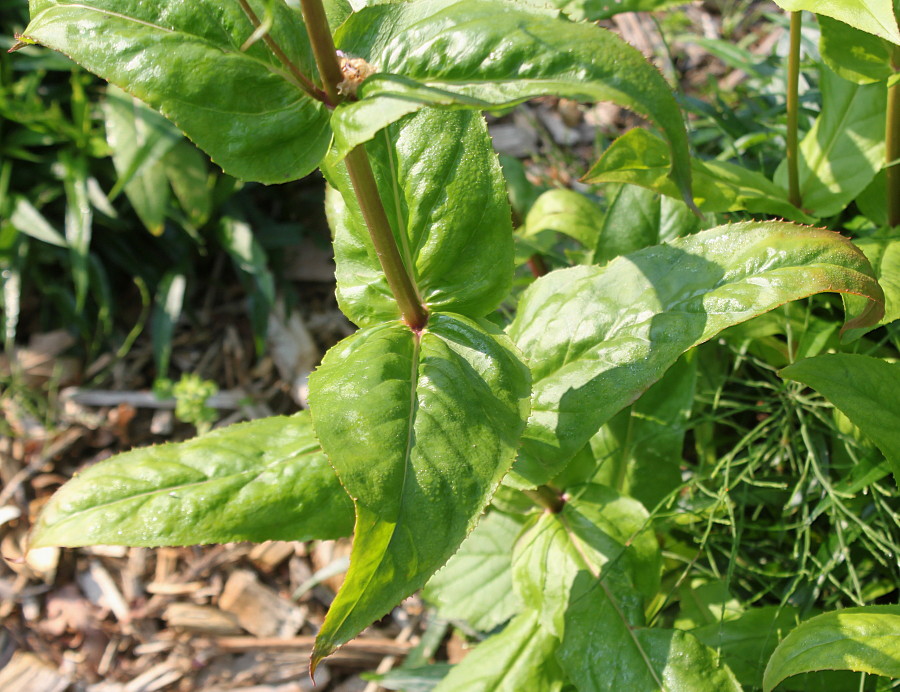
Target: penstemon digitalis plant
{"points": [[431, 412]]}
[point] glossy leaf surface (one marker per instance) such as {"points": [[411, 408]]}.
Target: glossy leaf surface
{"points": [[263, 480], [861, 639], [592, 10], [476, 583], [882, 249], [598, 337], [446, 201], [844, 150], [566, 212], [873, 16], [640, 158], [864, 389], [244, 108], [480, 54], [420, 428], [521, 657]]}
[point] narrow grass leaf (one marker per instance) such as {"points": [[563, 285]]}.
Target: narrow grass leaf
{"points": [[258, 481], [864, 389]]}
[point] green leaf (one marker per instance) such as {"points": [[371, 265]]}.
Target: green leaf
{"points": [[139, 138], [166, 312], [446, 201], [244, 108], [603, 650], [640, 158], [476, 583], [864, 389], [844, 149], [860, 639], [599, 530], [873, 16], [747, 642], [26, 219], [420, 428], [637, 218], [187, 171], [566, 212], [855, 55], [598, 337], [639, 450], [263, 480], [592, 10], [883, 252], [482, 54], [79, 223], [521, 657]]}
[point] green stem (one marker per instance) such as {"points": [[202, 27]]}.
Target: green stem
{"points": [[547, 497], [362, 178], [304, 82], [892, 142], [793, 107]]}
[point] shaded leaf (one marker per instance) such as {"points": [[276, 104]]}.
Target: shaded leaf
{"points": [[482, 54], [860, 639], [244, 108], [844, 149], [566, 212], [139, 138], [603, 650], [460, 254], [746, 643], [593, 10], [263, 480], [640, 158], [864, 389], [420, 428], [476, 583], [598, 530], [519, 658], [598, 337]]}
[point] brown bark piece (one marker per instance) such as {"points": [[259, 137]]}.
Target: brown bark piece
{"points": [[259, 609], [25, 672]]}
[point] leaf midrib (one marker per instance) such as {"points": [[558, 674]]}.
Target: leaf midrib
{"points": [[182, 486], [195, 37]]}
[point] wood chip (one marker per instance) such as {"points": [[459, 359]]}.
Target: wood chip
{"points": [[25, 672], [202, 619], [267, 556], [258, 608], [98, 585]]}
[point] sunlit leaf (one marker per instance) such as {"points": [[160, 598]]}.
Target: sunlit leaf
{"points": [[263, 480]]}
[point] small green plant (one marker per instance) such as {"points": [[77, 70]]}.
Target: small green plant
{"points": [[442, 408], [191, 394]]}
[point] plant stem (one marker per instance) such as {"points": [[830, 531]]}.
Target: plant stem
{"points": [[537, 266], [305, 82], [793, 107], [362, 178], [547, 497], [892, 142]]}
